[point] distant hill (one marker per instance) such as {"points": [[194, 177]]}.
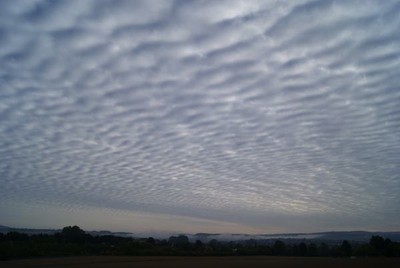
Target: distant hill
{"points": [[355, 236], [361, 236], [330, 237], [6, 229]]}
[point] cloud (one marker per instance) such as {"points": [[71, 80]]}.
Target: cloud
{"points": [[258, 113]]}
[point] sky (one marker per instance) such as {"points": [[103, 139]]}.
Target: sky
{"points": [[200, 116]]}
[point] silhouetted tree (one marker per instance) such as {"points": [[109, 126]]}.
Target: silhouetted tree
{"points": [[150, 241], [181, 241], [312, 249], [323, 249], [74, 234], [303, 251], [378, 244], [199, 244], [15, 236], [346, 248], [279, 248], [389, 248], [214, 244], [74, 241]]}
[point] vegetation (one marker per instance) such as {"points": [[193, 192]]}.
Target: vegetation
{"points": [[73, 241]]}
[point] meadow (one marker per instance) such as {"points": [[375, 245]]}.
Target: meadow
{"points": [[200, 262]]}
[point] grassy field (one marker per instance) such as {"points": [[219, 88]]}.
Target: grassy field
{"points": [[194, 262]]}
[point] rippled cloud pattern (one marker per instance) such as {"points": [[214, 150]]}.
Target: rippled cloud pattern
{"points": [[263, 113]]}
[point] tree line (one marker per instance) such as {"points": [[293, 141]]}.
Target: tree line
{"points": [[73, 241]]}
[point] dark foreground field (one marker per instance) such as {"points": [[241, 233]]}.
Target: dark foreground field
{"points": [[201, 262]]}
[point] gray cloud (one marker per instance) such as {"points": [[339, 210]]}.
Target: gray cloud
{"points": [[253, 112]]}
